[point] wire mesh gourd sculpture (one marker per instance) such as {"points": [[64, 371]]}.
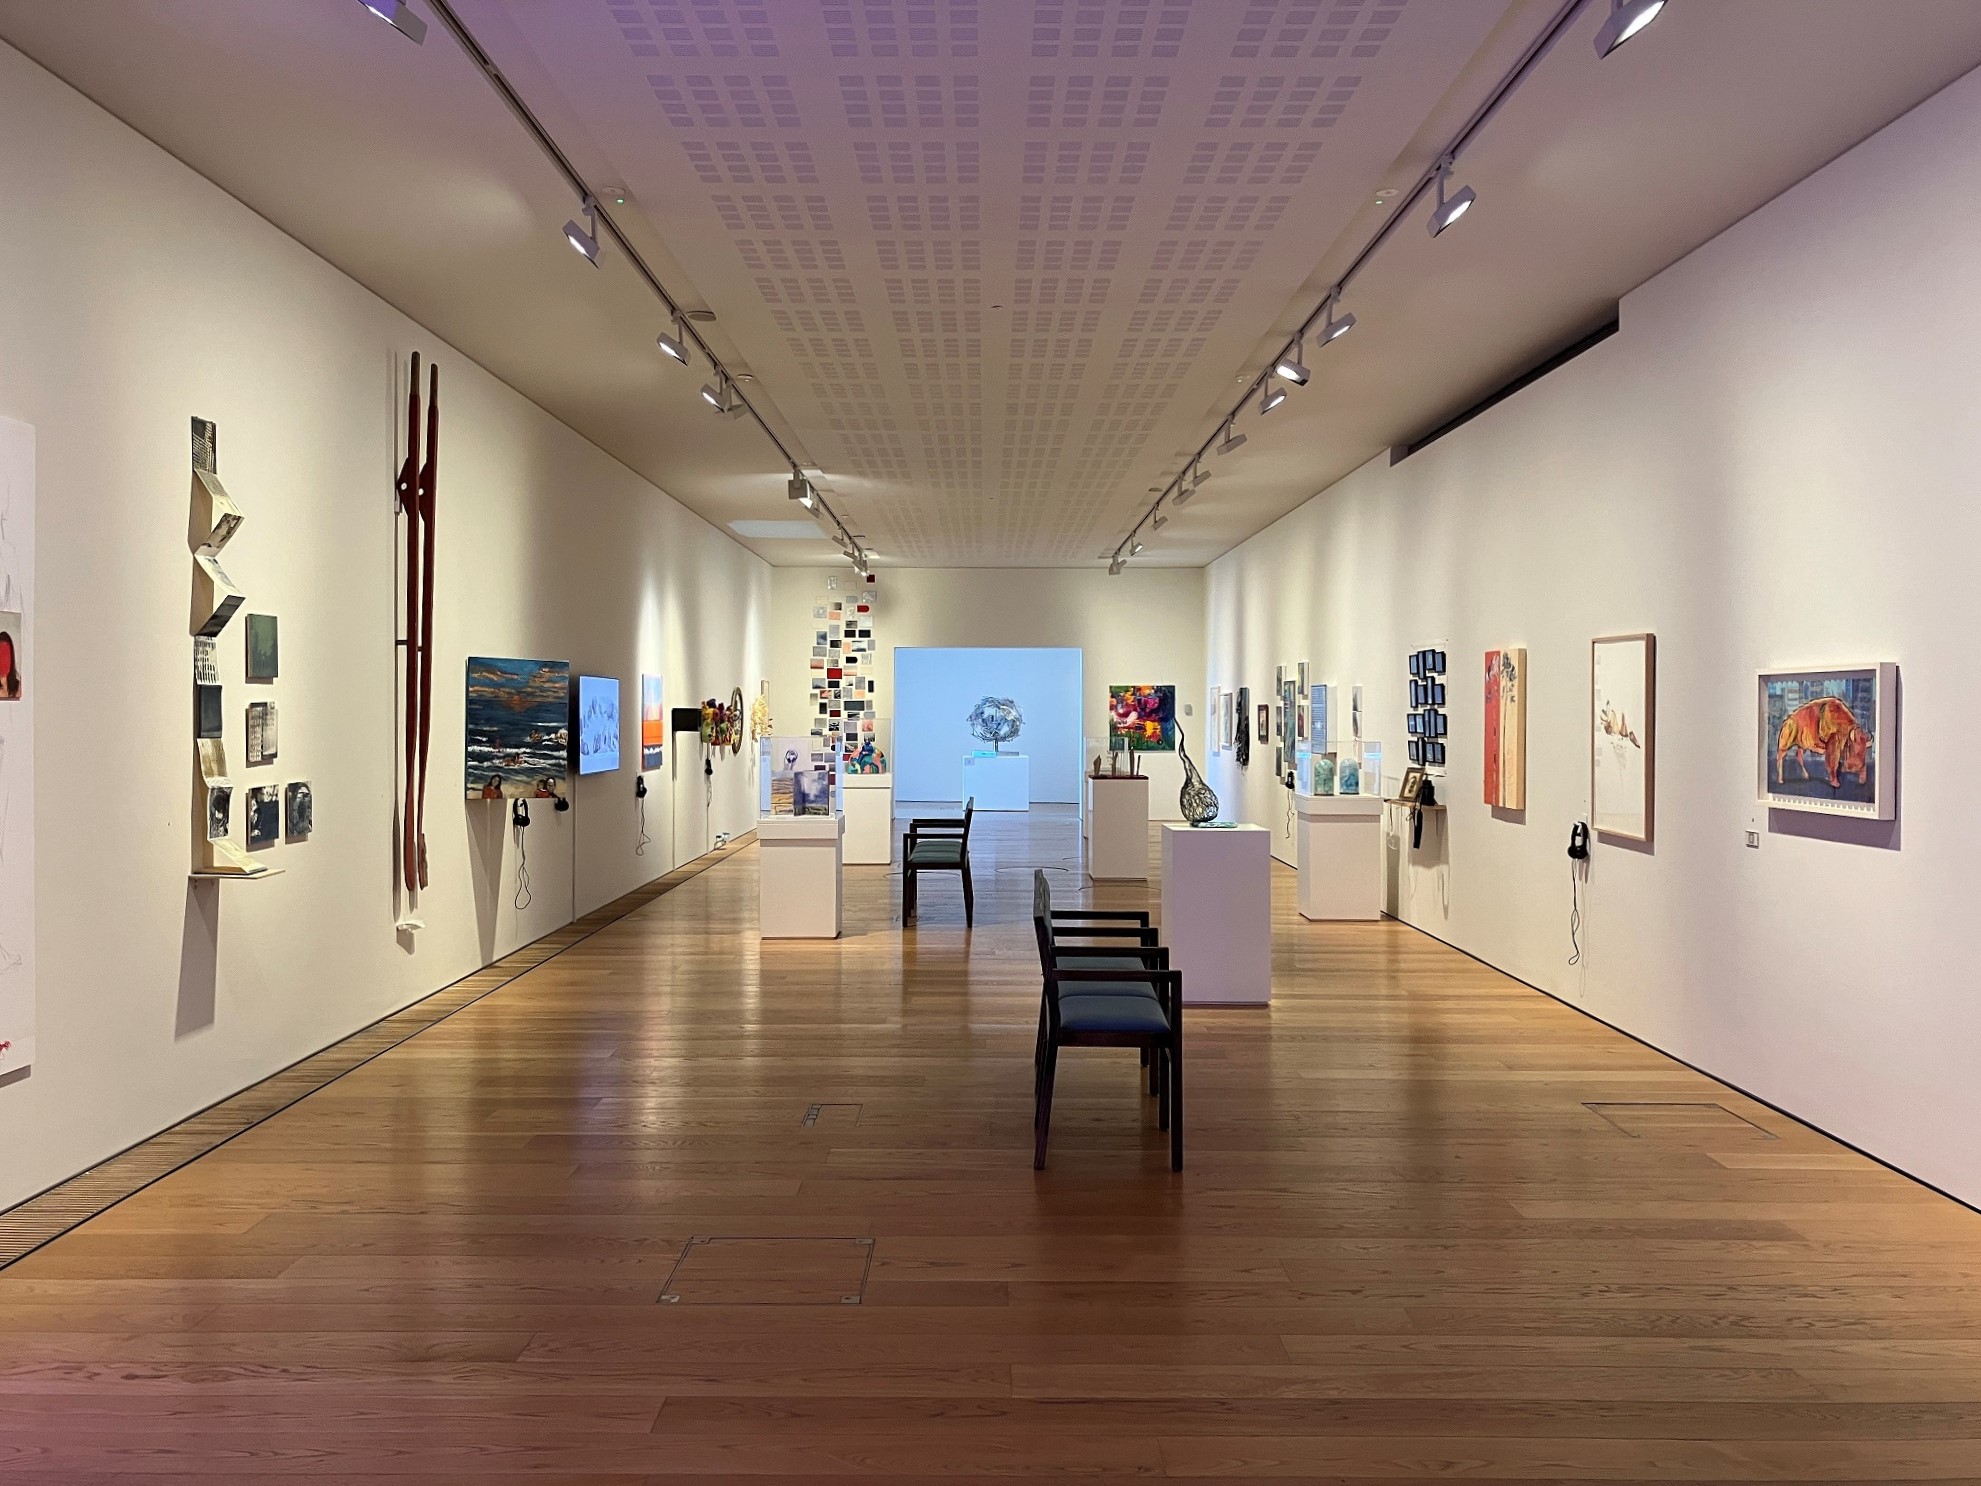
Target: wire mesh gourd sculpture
{"points": [[996, 720], [1197, 801]]}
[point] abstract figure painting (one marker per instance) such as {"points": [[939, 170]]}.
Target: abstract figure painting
{"points": [[1622, 735], [653, 724], [1506, 729], [264, 659], [1243, 735], [518, 729], [597, 720], [1826, 740], [18, 685], [1142, 717]]}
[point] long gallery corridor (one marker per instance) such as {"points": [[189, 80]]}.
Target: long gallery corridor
{"points": [[683, 1205]]}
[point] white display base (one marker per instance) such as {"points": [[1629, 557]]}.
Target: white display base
{"points": [[1339, 845], [1000, 781], [800, 889], [1118, 807], [869, 819], [1217, 913]]}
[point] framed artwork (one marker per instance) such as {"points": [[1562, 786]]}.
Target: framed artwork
{"points": [[1287, 695], [264, 655], [1227, 708], [19, 681], [1142, 717], [598, 724], [518, 742], [1265, 722], [1317, 715], [653, 724], [1300, 722], [1506, 729], [1623, 700], [299, 810], [1413, 785], [264, 814], [208, 719], [1828, 740]]}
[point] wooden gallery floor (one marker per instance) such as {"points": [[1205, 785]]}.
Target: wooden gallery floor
{"points": [[679, 1205]]}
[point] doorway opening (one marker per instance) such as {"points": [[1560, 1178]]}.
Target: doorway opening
{"points": [[935, 689]]}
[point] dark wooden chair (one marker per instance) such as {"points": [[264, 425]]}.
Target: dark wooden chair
{"points": [[1106, 996], [937, 844]]}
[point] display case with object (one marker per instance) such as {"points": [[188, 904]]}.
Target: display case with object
{"points": [[796, 776]]}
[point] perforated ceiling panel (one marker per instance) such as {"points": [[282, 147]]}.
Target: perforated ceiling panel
{"points": [[994, 264]]}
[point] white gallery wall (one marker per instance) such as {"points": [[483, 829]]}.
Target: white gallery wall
{"points": [[1774, 463], [1144, 626], [137, 295]]}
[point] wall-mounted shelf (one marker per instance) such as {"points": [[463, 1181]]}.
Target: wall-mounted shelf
{"points": [[237, 876]]}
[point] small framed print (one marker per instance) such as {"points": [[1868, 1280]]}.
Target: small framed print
{"points": [[1413, 786], [1437, 694], [1416, 750]]}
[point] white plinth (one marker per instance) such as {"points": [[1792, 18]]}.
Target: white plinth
{"points": [[799, 887], [869, 819], [1339, 848], [1217, 913], [998, 781], [1118, 844]]}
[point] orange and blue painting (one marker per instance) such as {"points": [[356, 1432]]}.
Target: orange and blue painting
{"points": [[1823, 744], [1143, 718], [653, 724]]}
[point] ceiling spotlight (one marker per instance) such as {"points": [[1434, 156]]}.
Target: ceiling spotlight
{"points": [[800, 490], [1160, 522], [1232, 438], [1136, 550], [675, 345], [1182, 496], [1289, 365], [1449, 209], [1114, 568], [1270, 397], [1335, 329], [399, 16], [1201, 476], [585, 242], [1626, 19]]}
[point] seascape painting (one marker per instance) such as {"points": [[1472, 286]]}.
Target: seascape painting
{"points": [[518, 729], [1825, 740], [1143, 718]]}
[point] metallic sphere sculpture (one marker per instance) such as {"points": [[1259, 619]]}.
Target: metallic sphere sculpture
{"points": [[996, 720]]}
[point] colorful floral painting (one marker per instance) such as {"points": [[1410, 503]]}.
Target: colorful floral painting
{"points": [[1143, 718]]}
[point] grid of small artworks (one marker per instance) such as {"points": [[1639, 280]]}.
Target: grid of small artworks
{"points": [[842, 664], [1426, 721]]}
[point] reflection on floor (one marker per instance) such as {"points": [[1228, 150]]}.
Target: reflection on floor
{"points": [[683, 1205]]}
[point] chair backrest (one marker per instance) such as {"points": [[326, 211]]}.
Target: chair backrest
{"points": [[1042, 919], [969, 809]]}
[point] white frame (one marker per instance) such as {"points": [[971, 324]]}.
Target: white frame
{"points": [[1884, 742], [1648, 726]]}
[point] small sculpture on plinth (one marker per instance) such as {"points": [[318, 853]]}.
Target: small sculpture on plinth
{"points": [[996, 720], [1197, 801]]}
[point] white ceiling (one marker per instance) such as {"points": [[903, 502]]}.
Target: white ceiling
{"points": [[995, 265]]}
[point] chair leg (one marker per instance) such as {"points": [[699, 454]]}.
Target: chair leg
{"points": [[1043, 1120], [1176, 1098], [1039, 1060], [907, 894], [1162, 1096], [969, 899]]}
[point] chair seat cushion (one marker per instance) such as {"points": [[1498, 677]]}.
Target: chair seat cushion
{"points": [[1115, 1013], [936, 854]]}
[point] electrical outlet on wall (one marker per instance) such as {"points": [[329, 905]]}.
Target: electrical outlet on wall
{"points": [[1754, 839]]}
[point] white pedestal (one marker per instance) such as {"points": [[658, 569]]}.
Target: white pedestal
{"points": [[800, 892], [1118, 808], [1217, 913], [998, 781], [1339, 845], [869, 819]]}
